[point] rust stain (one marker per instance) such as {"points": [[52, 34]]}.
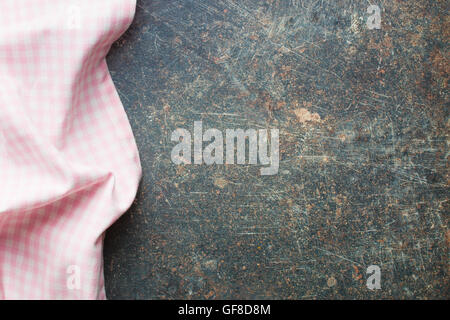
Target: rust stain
{"points": [[304, 115]]}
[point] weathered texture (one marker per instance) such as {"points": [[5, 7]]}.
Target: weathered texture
{"points": [[363, 179]]}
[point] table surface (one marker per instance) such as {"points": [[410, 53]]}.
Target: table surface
{"points": [[363, 177]]}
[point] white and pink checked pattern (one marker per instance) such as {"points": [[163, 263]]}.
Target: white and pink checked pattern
{"points": [[69, 165]]}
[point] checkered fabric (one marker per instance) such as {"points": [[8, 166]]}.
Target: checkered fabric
{"points": [[69, 166]]}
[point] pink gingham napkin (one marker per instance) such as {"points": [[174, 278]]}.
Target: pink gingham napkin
{"points": [[69, 166]]}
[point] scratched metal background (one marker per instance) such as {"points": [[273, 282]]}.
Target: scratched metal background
{"points": [[363, 119]]}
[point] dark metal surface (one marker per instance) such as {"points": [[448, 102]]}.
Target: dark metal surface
{"points": [[363, 178]]}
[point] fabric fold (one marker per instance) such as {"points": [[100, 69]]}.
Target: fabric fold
{"points": [[69, 165]]}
